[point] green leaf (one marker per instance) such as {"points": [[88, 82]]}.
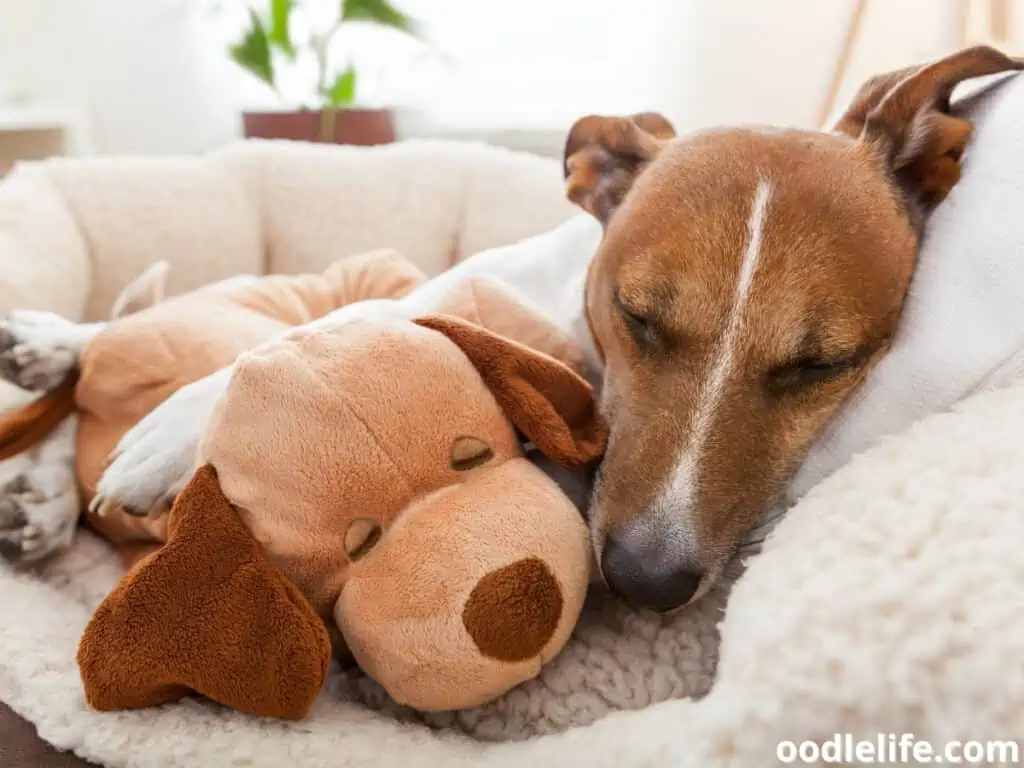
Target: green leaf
{"points": [[280, 32], [378, 12], [253, 52], [343, 91]]}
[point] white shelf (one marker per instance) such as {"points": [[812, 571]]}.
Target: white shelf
{"points": [[37, 130], [20, 117]]}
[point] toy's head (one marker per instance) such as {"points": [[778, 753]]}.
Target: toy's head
{"points": [[379, 467]]}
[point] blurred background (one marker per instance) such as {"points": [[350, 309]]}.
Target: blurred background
{"points": [[176, 76]]}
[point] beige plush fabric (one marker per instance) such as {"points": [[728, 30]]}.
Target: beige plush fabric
{"points": [[140, 360], [74, 232]]}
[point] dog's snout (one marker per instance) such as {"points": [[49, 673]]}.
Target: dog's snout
{"points": [[648, 571]]}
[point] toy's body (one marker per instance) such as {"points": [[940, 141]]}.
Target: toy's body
{"points": [[140, 359], [363, 474]]}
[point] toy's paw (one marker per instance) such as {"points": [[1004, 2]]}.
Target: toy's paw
{"points": [[156, 458], [32, 525], [37, 349]]}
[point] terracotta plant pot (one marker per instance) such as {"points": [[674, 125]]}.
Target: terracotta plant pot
{"points": [[365, 127]]}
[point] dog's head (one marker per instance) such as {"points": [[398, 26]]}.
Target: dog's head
{"points": [[748, 280]]}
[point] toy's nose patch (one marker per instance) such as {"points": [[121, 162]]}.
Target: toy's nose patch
{"points": [[513, 612]]}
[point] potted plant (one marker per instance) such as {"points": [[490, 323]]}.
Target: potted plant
{"points": [[272, 42]]}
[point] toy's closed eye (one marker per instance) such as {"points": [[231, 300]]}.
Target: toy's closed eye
{"points": [[469, 453], [361, 536]]}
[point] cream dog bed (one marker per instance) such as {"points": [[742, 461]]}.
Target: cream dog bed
{"points": [[890, 600]]}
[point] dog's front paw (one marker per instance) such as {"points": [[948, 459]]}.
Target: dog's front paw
{"points": [[33, 526], [142, 482], [156, 457], [37, 349]]}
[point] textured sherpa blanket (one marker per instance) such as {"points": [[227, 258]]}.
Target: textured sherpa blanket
{"points": [[890, 600]]}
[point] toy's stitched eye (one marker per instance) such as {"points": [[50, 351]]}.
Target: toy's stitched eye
{"points": [[361, 536], [469, 453]]}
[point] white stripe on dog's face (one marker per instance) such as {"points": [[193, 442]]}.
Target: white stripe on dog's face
{"points": [[678, 495]]}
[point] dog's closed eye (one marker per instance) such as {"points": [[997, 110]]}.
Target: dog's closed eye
{"points": [[808, 372], [643, 330]]}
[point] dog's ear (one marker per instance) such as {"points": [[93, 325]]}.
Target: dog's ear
{"points": [[552, 406], [143, 292], [604, 155], [207, 613], [903, 118]]}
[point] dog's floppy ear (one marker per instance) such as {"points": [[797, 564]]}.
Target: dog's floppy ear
{"points": [[547, 401], [904, 119], [210, 614], [604, 155]]}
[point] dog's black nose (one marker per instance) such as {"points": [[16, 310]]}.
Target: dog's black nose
{"points": [[648, 579]]}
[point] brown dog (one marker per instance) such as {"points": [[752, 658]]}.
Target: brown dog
{"points": [[747, 281]]}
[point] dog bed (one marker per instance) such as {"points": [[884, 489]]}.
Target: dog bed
{"points": [[889, 600]]}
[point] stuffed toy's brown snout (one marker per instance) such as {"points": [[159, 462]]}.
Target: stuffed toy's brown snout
{"points": [[472, 591], [368, 476]]}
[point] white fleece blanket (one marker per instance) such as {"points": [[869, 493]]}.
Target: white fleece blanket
{"points": [[890, 600]]}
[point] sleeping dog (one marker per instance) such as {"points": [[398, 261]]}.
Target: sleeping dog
{"points": [[733, 288]]}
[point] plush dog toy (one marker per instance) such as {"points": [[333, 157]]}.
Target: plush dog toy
{"points": [[365, 476]]}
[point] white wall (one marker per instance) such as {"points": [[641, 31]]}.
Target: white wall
{"points": [[773, 61], [157, 80], [151, 72], [701, 62]]}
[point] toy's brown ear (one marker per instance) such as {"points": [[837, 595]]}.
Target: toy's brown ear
{"points": [[904, 118], [546, 400], [210, 614]]}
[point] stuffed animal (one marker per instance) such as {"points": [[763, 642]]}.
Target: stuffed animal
{"points": [[363, 481], [97, 380]]}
